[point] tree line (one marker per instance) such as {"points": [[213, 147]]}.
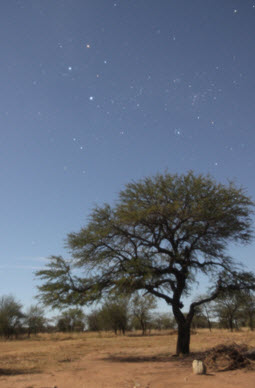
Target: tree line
{"points": [[232, 310], [122, 314], [117, 315], [14, 322]]}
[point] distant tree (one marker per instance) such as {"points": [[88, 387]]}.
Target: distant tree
{"points": [[50, 326], [204, 314], [35, 320], [160, 234], [11, 316], [71, 320], [162, 321], [228, 309], [115, 314], [95, 321], [141, 307], [245, 301], [199, 321], [206, 310], [247, 308]]}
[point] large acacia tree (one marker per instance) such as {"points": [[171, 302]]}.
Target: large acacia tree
{"points": [[158, 236]]}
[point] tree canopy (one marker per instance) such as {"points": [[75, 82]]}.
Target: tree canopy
{"points": [[10, 316], [141, 309], [161, 232], [71, 320], [35, 319]]}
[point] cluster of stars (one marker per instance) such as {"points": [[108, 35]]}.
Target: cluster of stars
{"points": [[81, 147], [198, 90]]}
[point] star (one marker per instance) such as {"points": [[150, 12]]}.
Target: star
{"points": [[91, 98]]}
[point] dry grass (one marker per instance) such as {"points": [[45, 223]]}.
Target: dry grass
{"points": [[56, 352]]}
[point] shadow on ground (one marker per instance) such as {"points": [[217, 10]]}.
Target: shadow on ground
{"points": [[16, 371], [221, 358], [165, 357]]}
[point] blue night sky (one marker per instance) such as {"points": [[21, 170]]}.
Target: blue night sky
{"points": [[96, 93]]}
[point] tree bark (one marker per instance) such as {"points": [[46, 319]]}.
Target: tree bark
{"points": [[184, 325], [183, 339]]}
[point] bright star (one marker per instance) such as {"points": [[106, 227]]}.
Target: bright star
{"points": [[177, 132]]}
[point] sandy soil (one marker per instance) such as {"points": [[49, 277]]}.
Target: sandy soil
{"points": [[105, 361]]}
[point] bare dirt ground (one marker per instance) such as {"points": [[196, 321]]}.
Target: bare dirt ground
{"points": [[105, 361]]}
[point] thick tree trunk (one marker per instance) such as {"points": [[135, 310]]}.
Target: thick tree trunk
{"points": [[183, 339]]}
